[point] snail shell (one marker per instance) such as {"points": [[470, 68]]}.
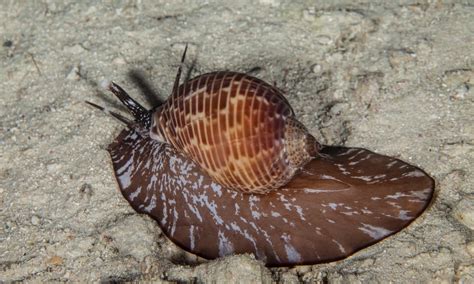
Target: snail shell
{"points": [[239, 129]]}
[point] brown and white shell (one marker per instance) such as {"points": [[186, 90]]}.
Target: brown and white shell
{"points": [[240, 130]]}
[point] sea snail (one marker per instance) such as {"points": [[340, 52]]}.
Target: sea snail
{"points": [[224, 167]]}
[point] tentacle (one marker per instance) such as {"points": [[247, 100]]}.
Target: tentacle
{"points": [[178, 75], [141, 114], [118, 116]]}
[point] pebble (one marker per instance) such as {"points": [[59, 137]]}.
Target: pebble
{"points": [[75, 49], [339, 108], [73, 74], [309, 14], [232, 269], [53, 168], [460, 92], [104, 84], [316, 68], [289, 278], [272, 3], [398, 58], [323, 40], [464, 212], [470, 248], [55, 260], [302, 269], [35, 220], [118, 61]]}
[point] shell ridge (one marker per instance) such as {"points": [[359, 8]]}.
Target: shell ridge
{"points": [[258, 165], [212, 137]]}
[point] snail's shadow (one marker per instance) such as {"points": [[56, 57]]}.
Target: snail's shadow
{"points": [[153, 98], [149, 94]]}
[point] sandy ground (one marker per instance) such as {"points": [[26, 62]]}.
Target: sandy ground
{"points": [[394, 78]]}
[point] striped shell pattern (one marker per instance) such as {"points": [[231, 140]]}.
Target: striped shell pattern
{"points": [[239, 129]]}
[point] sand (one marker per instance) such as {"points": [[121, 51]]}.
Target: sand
{"points": [[397, 79]]}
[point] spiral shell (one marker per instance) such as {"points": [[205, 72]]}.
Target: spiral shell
{"points": [[239, 129]]}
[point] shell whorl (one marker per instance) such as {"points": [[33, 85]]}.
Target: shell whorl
{"points": [[239, 129]]}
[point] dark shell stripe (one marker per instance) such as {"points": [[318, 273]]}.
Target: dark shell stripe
{"points": [[340, 203], [233, 125]]}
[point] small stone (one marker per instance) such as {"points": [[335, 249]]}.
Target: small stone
{"points": [[452, 79], [104, 84], [74, 74], [35, 220], [272, 3], [470, 248], [233, 269], [338, 108], [400, 57], [464, 212], [91, 10], [118, 61], [75, 49], [302, 269], [55, 260], [53, 168], [460, 92], [323, 40], [316, 68], [309, 14], [289, 278]]}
